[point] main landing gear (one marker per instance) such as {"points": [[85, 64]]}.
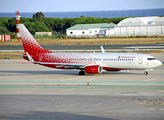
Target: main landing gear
{"points": [[145, 73], [82, 72]]}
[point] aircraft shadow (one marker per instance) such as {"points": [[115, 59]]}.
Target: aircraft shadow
{"points": [[39, 72], [63, 72], [121, 73]]}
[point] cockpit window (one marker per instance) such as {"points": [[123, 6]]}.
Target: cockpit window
{"points": [[150, 58]]}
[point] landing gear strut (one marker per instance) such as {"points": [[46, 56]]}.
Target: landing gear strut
{"points": [[82, 72], [145, 73]]}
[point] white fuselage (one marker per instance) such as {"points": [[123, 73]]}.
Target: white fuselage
{"points": [[133, 61], [126, 61]]}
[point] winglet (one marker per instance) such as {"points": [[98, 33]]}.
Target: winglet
{"points": [[102, 49], [30, 58]]}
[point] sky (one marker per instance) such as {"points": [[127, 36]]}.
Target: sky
{"points": [[77, 5]]}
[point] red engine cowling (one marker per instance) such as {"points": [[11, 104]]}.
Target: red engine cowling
{"points": [[93, 69]]}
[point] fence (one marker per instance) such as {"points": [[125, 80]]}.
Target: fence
{"points": [[4, 38]]}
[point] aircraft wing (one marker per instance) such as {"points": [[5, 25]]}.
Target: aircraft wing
{"points": [[15, 54], [65, 65]]}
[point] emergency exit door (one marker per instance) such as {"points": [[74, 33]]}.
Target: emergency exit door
{"points": [[140, 59]]}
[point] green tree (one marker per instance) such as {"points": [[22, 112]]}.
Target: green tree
{"points": [[4, 30], [3, 21], [41, 27], [56, 25], [23, 20], [31, 19], [13, 35], [11, 25], [49, 22], [36, 27], [39, 16]]}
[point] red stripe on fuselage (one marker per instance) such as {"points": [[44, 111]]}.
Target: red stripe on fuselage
{"points": [[74, 58]]}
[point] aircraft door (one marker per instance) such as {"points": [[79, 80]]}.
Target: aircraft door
{"points": [[140, 59]]}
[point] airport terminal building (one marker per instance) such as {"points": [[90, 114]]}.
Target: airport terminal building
{"points": [[127, 27]]}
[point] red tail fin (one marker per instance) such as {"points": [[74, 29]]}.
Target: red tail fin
{"points": [[29, 43]]}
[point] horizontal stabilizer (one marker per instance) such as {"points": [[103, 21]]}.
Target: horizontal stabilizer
{"points": [[30, 58]]}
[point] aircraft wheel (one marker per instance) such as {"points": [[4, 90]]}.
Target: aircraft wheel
{"points": [[82, 73], [145, 73]]}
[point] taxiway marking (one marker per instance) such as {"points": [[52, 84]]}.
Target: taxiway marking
{"points": [[160, 91], [150, 79], [66, 90], [68, 79]]}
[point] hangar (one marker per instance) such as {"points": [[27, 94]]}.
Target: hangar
{"points": [[127, 27], [90, 29], [140, 26]]}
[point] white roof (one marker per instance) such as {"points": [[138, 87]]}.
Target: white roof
{"points": [[137, 21], [147, 20], [159, 21]]}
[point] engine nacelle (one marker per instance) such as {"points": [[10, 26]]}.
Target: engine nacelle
{"points": [[114, 70], [93, 69]]}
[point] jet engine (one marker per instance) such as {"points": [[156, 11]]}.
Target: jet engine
{"points": [[93, 69]]}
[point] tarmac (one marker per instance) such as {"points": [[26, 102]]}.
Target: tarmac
{"points": [[116, 47], [29, 91]]}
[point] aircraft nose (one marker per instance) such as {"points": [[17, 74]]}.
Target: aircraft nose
{"points": [[159, 63]]}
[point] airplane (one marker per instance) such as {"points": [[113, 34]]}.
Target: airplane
{"points": [[90, 63]]}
